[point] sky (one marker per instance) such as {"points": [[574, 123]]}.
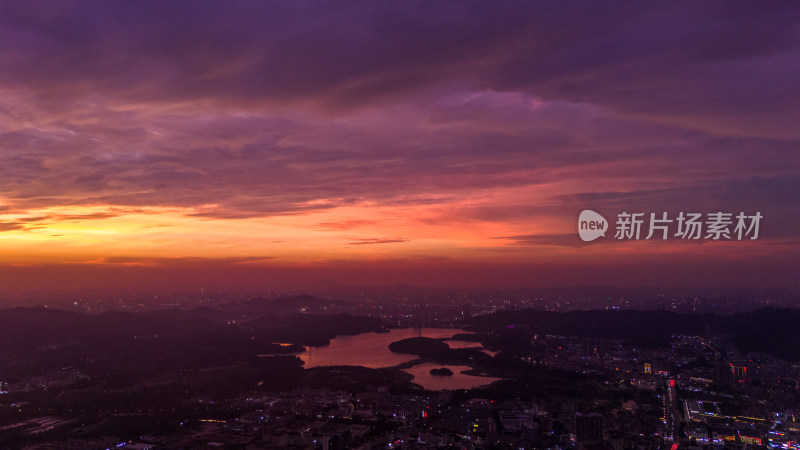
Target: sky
{"points": [[439, 143]]}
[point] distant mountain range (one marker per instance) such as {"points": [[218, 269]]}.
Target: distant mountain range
{"points": [[49, 338], [39, 340]]}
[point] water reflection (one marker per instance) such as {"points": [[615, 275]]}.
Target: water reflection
{"points": [[422, 376], [369, 349], [372, 350], [469, 344]]}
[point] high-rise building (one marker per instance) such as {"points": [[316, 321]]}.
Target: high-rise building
{"points": [[589, 428], [723, 374], [739, 372]]}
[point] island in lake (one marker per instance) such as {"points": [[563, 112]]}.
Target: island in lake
{"points": [[443, 372]]}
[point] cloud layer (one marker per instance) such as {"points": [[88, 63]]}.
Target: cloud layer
{"points": [[451, 124]]}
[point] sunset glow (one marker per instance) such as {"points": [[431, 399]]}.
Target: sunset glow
{"points": [[153, 138]]}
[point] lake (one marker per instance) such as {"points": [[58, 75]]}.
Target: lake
{"points": [[469, 344], [369, 349], [423, 377], [372, 350]]}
